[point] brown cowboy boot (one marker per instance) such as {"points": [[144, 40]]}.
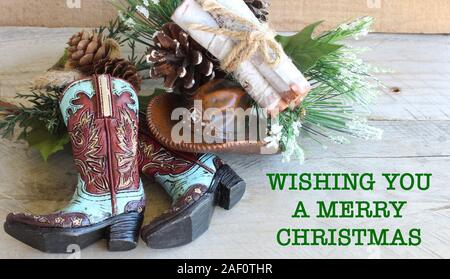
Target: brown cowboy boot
{"points": [[101, 114], [196, 184]]}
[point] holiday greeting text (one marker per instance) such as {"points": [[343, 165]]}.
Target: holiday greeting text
{"points": [[350, 209]]}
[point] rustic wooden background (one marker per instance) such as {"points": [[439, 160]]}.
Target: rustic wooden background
{"points": [[400, 16], [416, 122]]}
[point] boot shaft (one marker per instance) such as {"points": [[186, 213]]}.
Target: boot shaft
{"points": [[179, 173], [101, 114], [154, 159]]}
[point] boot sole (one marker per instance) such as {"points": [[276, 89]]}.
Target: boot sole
{"points": [[121, 231], [193, 221]]}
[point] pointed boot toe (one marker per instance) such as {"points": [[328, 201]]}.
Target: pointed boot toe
{"points": [[180, 226], [48, 234], [197, 183], [101, 114]]}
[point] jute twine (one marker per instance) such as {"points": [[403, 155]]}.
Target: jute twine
{"points": [[250, 38]]}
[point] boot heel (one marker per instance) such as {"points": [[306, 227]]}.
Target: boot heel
{"points": [[231, 187], [123, 234]]}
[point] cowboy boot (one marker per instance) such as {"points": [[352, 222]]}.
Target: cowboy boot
{"points": [[195, 182], [101, 114]]}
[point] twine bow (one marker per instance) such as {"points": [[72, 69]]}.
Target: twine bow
{"points": [[250, 38]]}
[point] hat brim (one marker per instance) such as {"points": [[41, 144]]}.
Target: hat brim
{"points": [[159, 114]]}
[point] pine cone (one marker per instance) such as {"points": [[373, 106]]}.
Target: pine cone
{"points": [[181, 61], [85, 49], [119, 68], [260, 8]]}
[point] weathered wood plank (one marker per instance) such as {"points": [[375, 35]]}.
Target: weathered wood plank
{"points": [[421, 71], [249, 230], [39, 187], [417, 139]]}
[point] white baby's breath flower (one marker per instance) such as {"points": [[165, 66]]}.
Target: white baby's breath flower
{"points": [[296, 126], [276, 129], [344, 26], [121, 16], [361, 130], [293, 151], [130, 23], [143, 11], [274, 136]]}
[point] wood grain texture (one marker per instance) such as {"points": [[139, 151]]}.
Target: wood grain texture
{"points": [[405, 16], [417, 139]]}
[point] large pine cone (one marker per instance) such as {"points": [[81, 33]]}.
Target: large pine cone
{"points": [[119, 68], [85, 49], [181, 61], [260, 8]]}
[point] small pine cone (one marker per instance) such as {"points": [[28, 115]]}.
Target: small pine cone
{"points": [[260, 8], [119, 68], [85, 49], [181, 61]]}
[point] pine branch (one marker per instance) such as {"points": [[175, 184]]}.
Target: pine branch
{"points": [[44, 109], [115, 29], [40, 124], [343, 89], [145, 17]]}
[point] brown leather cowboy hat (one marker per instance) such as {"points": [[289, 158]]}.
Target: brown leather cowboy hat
{"points": [[159, 114]]}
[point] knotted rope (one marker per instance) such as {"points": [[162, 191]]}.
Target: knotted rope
{"points": [[250, 38]]}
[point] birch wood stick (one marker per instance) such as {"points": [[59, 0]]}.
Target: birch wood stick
{"points": [[219, 45], [270, 88], [280, 77]]}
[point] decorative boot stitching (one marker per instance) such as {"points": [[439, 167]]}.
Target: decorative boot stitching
{"points": [[104, 98]]}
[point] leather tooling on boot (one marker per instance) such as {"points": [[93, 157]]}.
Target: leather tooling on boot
{"points": [[102, 121], [100, 164], [195, 182], [178, 173]]}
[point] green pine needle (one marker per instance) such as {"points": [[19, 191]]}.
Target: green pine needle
{"points": [[335, 109], [343, 89], [145, 17], [44, 108], [41, 123]]}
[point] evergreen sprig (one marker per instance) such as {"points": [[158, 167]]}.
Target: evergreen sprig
{"points": [[145, 17], [335, 109], [343, 88], [44, 108], [40, 122], [114, 30], [123, 33], [137, 21]]}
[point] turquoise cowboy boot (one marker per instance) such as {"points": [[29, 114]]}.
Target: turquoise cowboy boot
{"points": [[195, 182], [101, 114]]}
